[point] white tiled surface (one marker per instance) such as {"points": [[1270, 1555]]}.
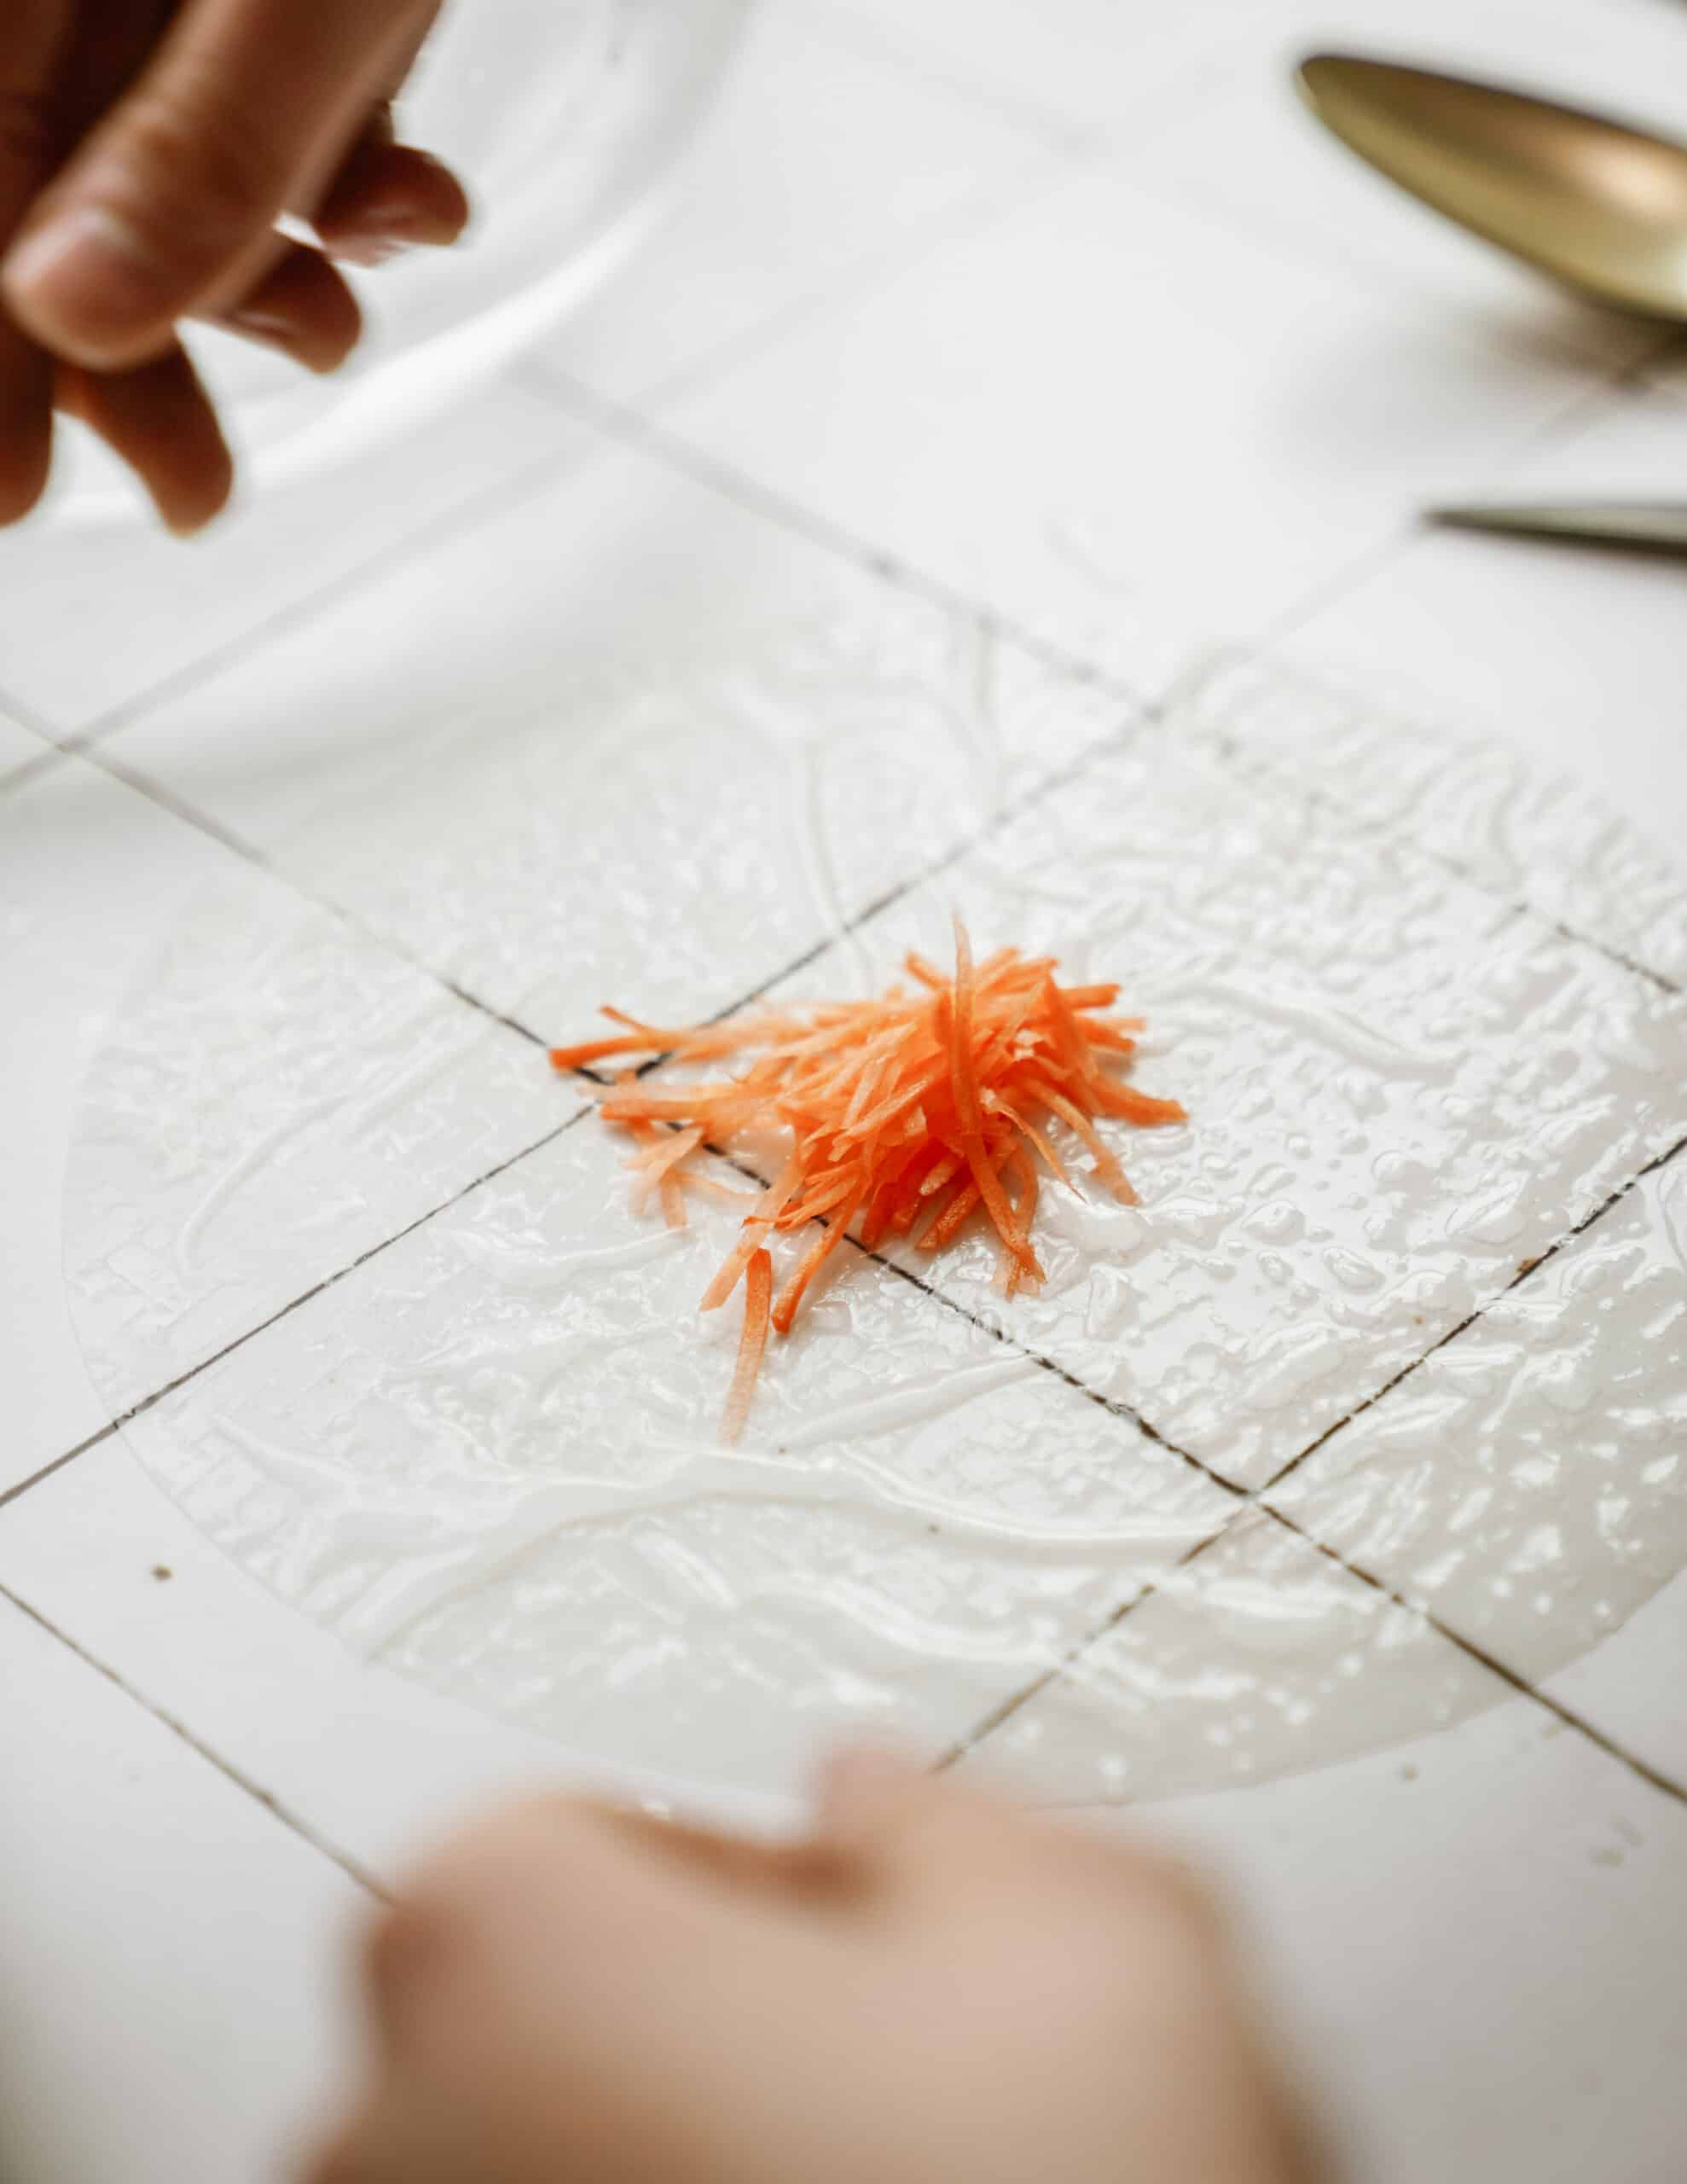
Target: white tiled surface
{"points": [[18, 746], [127, 1858], [77, 853], [661, 746], [91, 618], [1572, 657], [1365, 1166], [1568, 1505], [1063, 339], [1492, 1891], [879, 165], [1075, 75], [985, 291]]}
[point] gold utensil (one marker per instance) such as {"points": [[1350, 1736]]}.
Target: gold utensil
{"points": [[1600, 207]]}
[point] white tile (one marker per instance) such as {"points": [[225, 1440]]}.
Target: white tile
{"points": [[18, 746], [1076, 66], [1117, 420], [1475, 1942], [821, 164], [93, 615], [274, 1096], [1260, 1657], [90, 874], [377, 1765], [1247, 146], [95, 882], [627, 742], [489, 1457], [169, 1985], [1396, 1094], [1511, 817], [1568, 654], [1529, 1482], [1631, 1686]]}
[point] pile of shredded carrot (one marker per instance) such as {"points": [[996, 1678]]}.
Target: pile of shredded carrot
{"points": [[904, 1116]]}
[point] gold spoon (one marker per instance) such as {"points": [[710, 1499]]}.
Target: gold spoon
{"points": [[1600, 207]]}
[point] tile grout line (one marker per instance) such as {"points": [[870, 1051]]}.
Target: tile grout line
{"points": [[890, 570], [651, 435], [25, 716], [1669, 1786], [1230, 745], [1147, 720], [1043, 169], [166, 799], [271, 1804], [477, 507], [39, 1477], [1005, 1709], [157, 1395], [31, 769], [1249, 1499], [636, 428], [1583, 407], [1526, 1273], [629, 425], [1255, 1499], [931, 72]]}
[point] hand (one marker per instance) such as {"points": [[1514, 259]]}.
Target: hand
{"points": [[932, 1989], [147, 148]]}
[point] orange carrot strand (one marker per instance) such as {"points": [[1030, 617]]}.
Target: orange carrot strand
{"points": [[758, 1289]]}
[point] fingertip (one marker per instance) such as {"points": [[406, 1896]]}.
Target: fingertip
{"points": [[81, 282], [304, 308], [390, 198], [158, 420], [198, 489], [865, 1789]]}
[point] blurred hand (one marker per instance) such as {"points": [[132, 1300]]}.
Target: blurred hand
{"points": [[147, 148], [932, 1989]]}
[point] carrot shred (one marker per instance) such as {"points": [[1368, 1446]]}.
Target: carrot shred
{"points": [[758, 1291], [903, 1116]]}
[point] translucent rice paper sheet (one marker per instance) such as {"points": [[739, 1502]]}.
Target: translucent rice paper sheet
{"points": [[367, 1277]]}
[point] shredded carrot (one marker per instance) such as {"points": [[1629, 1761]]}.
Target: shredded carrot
{"points": [[903, 1116], [758, 1291]]}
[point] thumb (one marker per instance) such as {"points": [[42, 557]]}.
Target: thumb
{"points": [[908, 1828], [170, 206]]}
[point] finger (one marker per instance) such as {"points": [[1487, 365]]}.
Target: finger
{"points": [[919, 1833], [389, 198], [157, 418], [303, 308], [170, 206], [26, 421], [29, 56]]}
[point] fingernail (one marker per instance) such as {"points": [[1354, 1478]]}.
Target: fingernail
{"points": [[84, 275], [370, 247], [268, 325], [369, 250], [379, 234], [297, 340]]}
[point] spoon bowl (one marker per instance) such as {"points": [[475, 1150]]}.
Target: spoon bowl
{"points": [[1596, 205]]}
